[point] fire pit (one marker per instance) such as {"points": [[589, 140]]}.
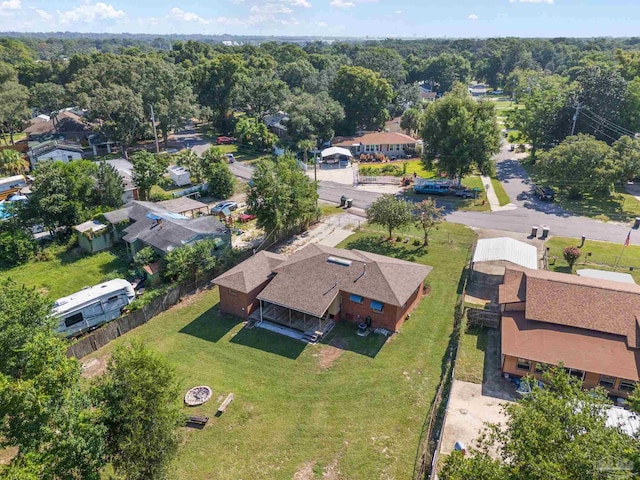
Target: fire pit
{"points": [[197, 395]]}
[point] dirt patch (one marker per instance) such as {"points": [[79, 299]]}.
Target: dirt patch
{"points": [[94, 367], [331, 471], [305, 472], [330, 353]]}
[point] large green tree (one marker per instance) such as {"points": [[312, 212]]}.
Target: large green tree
{"points": [[62, 195], [385, 61], [544, 120], [138, 398], [254, 133], [626, 154], [445, 70], [109, 187], [312, 116], [47, 97], [281, 195], [558, 432], [364, 95], [581, 165], [390, 212], [459, 133], [262, 92], [220, 179], [13, 100], [147, 172], [43, 409], [191, 261]]}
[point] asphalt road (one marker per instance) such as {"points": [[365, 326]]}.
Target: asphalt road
{"points": [[529, 212]]}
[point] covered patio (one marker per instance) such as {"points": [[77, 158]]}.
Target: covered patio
{"points": [[305, 326]]}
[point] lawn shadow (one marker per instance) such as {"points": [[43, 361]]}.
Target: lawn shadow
{"points": [[211, 325], [269, 342], [344, 337], [380, 245]]}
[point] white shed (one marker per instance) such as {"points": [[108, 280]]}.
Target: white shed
{"points": [[179, 175]]}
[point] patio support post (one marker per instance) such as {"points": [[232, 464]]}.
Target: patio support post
{"points": [[260, 310], [289, 318]]}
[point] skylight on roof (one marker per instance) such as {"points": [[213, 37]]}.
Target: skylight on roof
{"points": [[339, 261]]}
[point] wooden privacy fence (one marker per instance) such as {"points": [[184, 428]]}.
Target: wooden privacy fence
{"points": [[431, 435], [112, 330]]}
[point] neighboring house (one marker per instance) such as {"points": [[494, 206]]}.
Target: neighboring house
{"points": [[94, 236], [54, 150], [427, 95], [100, 144], [590, 325], [276, 123], [125, 170], [66, 124], [391, 144], [166, 225], [319, 285], [478, 89]]}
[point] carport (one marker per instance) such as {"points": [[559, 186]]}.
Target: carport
{"points": [[490, 258]]}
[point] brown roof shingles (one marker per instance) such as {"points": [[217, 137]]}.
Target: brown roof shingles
{"points": [[586, 350], [309, 283], [251, 273]]}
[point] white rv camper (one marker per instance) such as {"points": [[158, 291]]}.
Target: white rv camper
{"points": [[92, 306]]}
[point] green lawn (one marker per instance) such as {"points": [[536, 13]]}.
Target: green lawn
{"points": [[503, 198], [598, 255], [70, 270], [471, 352], [354, 406], [327, 209], [413, 166], [619, 206]]}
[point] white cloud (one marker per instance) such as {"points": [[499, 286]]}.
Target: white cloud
{"points": [[398, 12], [88, 13], [300, 3], [342, 4], [322, 24], [187, 16], [10, 5], [549, 2], [270, 9], [473, 16], [46, 16]]}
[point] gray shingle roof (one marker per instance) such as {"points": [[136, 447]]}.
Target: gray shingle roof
{"points": [[249, 274], [309, 281]]}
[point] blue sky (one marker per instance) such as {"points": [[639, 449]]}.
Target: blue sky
{"points": [[375, 18]]}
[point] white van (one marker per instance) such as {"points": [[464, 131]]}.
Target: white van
{"points": [[92, 306]]}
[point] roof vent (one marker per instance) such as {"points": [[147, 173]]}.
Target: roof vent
{"points": [[339, 261]]}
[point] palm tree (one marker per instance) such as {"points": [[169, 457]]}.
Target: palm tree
{"points": [[12, 163]]}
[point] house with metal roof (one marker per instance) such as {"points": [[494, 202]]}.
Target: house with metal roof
{"points": [[317, 286], [164, 226], [590, 325]]}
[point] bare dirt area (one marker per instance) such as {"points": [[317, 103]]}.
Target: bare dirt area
{"points": [[7, 455], [305, 472], [94, 367], [330, 353]]}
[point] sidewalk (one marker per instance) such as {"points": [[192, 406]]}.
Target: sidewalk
{"points": [[492, 198]]}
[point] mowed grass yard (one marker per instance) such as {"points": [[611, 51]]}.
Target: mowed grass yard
{"points": [[597, 255], [69, 270], [351, 408]]}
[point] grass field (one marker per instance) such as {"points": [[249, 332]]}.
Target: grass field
{"points": [[413, 166], [619, 206], [352, 408], [471, 352], [598, 255], [503, 198], [70, 270]]}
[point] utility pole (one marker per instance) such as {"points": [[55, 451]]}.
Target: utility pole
{"points": [[153, 124], [575, 117]]}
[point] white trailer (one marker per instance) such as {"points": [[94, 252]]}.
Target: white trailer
{"points": [[92, 306], [179, 175], [12, 183]]}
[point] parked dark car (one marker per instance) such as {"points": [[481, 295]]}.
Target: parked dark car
{"points": [[545, 193]]}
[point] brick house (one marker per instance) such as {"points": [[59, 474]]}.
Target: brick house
{"points": [[591, 325], [390, 144], [319, 285]]}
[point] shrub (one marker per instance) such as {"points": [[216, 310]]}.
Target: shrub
{"points": [[571, 255], [417, 243], [159, 196]]}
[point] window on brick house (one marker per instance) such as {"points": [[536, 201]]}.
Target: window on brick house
{"points": [[607, 381], [523, 364], [627, 385]]}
